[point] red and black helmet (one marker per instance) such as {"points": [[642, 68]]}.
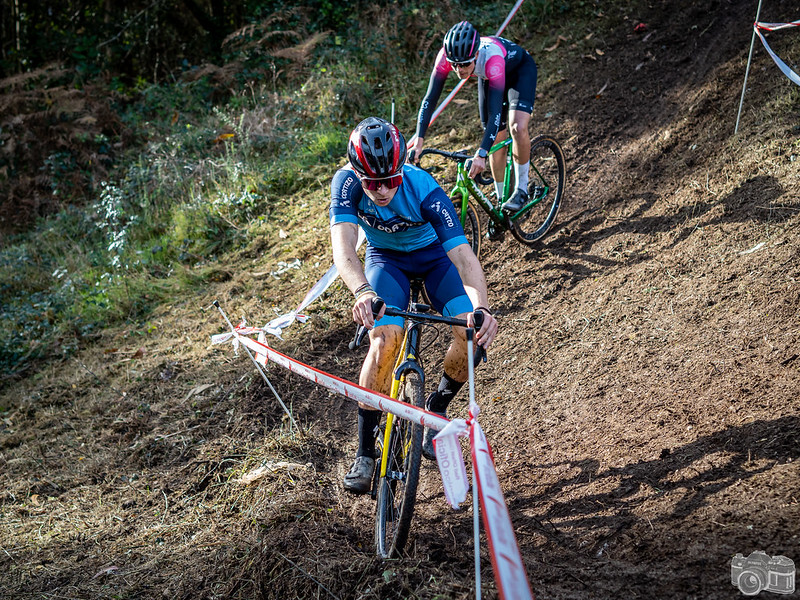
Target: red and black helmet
{"points": [[461, 43], [376, 149]]}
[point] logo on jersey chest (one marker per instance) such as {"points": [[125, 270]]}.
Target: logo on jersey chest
{"points": [[392, 224]]}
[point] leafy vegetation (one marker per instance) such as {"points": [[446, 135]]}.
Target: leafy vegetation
{"points": [[126, 178]]}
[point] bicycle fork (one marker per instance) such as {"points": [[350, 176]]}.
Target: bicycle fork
{"points": [[406, 361]]}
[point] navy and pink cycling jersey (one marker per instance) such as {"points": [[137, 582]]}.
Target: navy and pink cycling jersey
{"points": [[497, 59], [419, 214]]}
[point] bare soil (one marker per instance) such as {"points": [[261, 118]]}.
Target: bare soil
{"points": [[641, 398]]}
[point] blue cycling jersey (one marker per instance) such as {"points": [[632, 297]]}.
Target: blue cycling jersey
{"points": [[419, 214]]}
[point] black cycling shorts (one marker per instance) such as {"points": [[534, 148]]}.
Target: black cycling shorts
{"points": [[520, 92]]}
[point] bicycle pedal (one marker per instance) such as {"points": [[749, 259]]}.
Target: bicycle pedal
{"points": [[495, 235]]}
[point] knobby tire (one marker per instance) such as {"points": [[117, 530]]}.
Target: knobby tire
{"points": [[547, 170], [396, 496]]}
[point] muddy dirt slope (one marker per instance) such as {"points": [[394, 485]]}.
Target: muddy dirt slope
{"points": [[642, 398]]}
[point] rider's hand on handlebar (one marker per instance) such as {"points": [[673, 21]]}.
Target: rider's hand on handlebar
{"points": [[414, 150], [488, 330], [477, 167], [362, 310]]}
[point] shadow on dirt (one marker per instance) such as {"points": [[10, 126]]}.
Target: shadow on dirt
{"points": [[756, 200], [697, 471]]}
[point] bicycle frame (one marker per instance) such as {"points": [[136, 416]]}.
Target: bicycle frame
{"points": [[466, 187], [406, 361]]}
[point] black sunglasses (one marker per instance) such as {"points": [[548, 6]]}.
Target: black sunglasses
{"points": [[462, 63]]}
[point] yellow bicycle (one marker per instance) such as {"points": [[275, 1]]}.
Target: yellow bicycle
{"points": [[397, 474]]}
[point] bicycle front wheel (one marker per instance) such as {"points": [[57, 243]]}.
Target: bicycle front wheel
{"points": [[397, 491], [547, 178], [472, 224]]}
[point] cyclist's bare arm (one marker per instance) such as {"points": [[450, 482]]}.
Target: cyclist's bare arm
{"points": [[475, 285], [344, 237]]}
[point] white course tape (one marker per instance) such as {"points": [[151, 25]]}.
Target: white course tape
{"points": [[507, 564], [451, 461], [512, 581], [342, 386], [278, 324], [781, 65]]}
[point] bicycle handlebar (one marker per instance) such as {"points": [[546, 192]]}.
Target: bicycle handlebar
{"points": [[458, 157], [378, 304]]}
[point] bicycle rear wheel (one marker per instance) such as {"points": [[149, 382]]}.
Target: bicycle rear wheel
{"points": [[397, 491], [546, 183], [472, 224]]}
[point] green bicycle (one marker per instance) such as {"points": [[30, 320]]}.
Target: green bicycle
{"points": [[534, 219]]}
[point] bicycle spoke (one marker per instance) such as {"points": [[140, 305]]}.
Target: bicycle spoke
{"points": [[472, 224]]}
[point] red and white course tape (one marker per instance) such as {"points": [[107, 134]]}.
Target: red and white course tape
{"points": [[774, 27], [507, 563]]}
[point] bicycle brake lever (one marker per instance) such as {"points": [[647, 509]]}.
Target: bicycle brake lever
{"points": [[361, 331]]}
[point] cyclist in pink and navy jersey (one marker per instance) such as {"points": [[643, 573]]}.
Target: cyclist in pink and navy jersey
{"points": [[506, 91]]}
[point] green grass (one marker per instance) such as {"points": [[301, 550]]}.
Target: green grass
{"points": [[207, 168]]}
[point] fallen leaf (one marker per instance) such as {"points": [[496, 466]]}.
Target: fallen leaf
{"points": [[560, 39], [755, 248], [263, 470], [599, 52], [222, 137], [198, 390], [105, 571], [282, 234], [640, 27]]}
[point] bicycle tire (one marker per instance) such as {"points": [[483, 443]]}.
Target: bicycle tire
{"points": [[547, 179], [472, 224], [397, 491]]}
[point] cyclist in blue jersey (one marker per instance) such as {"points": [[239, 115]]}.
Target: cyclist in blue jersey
{"points": [[412, 231], [506, 91]]}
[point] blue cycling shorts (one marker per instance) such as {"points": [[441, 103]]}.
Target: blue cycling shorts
{"points": [[389, 273]]}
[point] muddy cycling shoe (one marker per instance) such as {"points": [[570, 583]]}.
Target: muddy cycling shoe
{"points": [[359, 478], [516, 202], [427, 443]]}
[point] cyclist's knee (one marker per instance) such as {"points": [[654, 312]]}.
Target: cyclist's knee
{"points": [[384, 341], [519, 131], [460, 334]]}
